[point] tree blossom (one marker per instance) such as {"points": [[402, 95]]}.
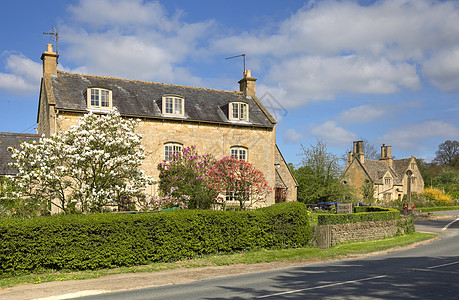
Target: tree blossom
{"points": [[186, 174], [240, 181], [86, 167]]}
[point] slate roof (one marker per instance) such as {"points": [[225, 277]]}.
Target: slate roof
{"points": [[376, 169], [142, 99], [400, 166], [7, 140]]}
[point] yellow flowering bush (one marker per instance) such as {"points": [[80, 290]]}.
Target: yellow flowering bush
{"points": [[438, 196]]}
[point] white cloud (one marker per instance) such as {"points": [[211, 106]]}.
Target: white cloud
{"points": [[134, 39], [292, 136], [397, 30], [333, 134], [100, 13], [24, 75], [411, 136], [369, 113], [310, 78], [443, 70], [363, 113], [336, 47]]}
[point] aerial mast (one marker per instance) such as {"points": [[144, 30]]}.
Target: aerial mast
{"points": [[243, 56], [54, 37]]}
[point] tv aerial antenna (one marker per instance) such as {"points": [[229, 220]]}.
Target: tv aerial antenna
{"points": [[243, 56], [54, 37]]}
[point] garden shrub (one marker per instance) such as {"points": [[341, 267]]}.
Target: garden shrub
{"points": [[79, 242], [376, 214], [438, 196]]}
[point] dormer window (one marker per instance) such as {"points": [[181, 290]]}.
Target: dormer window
{"points": [[99, 98], [173, 106], [238, 111]]}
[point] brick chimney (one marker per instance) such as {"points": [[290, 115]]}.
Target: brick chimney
{"points": [[49, 58], [247, 84]]}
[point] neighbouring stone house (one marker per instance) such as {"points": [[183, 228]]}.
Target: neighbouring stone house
{"points": [[222, 123], [12, 140], [388, 176]]}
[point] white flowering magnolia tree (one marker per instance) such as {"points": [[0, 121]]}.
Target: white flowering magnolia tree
{"points": [[85, 168]]}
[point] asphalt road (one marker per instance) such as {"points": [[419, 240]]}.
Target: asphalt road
{"points": [[429, 271]]}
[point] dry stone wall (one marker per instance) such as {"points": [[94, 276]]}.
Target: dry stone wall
{"points": [[330, 235], [354, 232]]}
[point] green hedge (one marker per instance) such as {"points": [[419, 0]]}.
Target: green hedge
{"points": [[78, 242], [360, 209], [376, 214]]}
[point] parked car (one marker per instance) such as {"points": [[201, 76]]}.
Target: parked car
{"points": [[326, 205]]}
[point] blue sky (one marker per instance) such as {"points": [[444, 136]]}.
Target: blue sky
{"points": [[386, 71]]}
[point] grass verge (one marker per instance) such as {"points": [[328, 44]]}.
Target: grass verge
{"points": [[244, 257]]}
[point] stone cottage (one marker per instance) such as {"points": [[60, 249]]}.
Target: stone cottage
{"points": [[222, 123], [388, 176], [12, 140]]}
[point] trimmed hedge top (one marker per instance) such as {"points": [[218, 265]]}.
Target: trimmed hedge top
{"points": [[78, 242], [369, 214]]}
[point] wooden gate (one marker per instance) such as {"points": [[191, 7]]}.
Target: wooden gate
{"points": [[281, 195]]}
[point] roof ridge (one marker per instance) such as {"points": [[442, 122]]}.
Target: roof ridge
{"points": [[18, 134], [152, 82]]}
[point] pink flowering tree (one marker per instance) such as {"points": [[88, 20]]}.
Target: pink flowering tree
{"points": [[185, 174], [84, 168], [238, 180]]}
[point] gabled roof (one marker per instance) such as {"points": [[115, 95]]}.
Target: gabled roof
{"points": [[400, 166], [376, 169], [7, 140], [141, 99]]}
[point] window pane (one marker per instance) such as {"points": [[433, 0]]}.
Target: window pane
{"points": [[170, 149], [168, 152], [235, 111], [104, 98], [233, 153], [169, 105], [95, 97], [242, 154], [177, 148], [243, 111], [177, 106], [239, 153]]}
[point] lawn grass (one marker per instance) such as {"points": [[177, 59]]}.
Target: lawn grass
{"points": [[244, 257]]}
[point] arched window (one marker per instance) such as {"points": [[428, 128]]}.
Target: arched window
{"points": [[170, 149], [238, 152], [99, 98]]}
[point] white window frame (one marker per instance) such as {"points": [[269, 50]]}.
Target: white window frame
{"points": [[173, 106], [229, 196], [238, 111], [170, 148], [98, 94], [239, 152]]}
